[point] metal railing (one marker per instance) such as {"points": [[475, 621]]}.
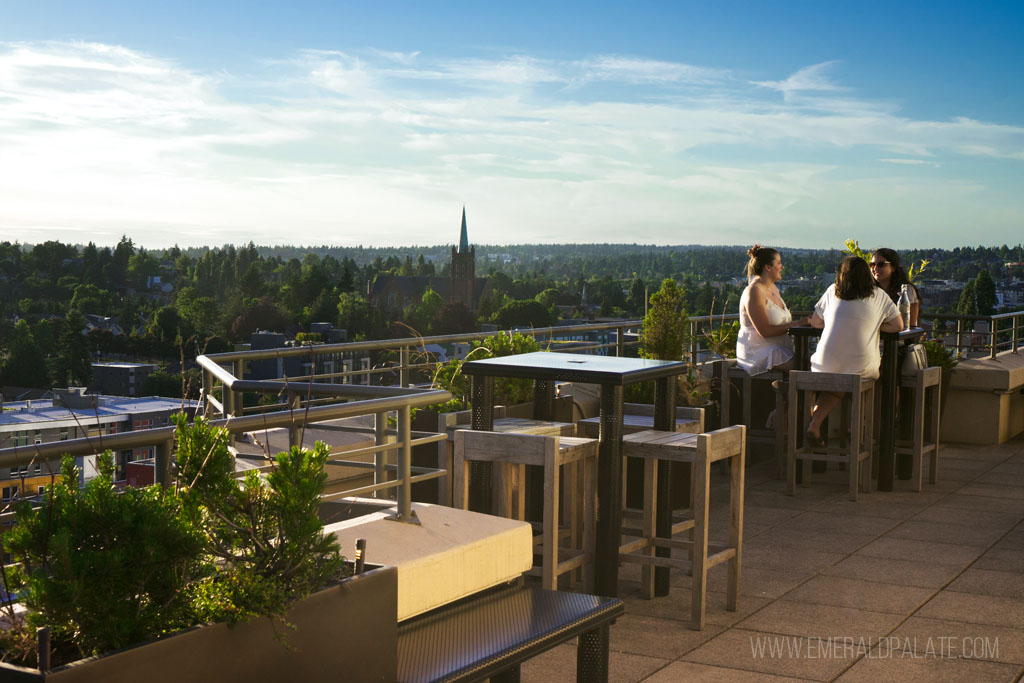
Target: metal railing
{"points": [[376, 401], [959, 332]]}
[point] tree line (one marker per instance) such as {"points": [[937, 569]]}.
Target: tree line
{"points": [[175, 303]]}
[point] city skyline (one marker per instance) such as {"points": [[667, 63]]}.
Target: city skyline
{"points": [[658, 123]]}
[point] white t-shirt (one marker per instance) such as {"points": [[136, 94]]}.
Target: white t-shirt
{"points": [[849, 343]]}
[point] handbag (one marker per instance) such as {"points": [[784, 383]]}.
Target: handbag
{"points": [[915, 359]]}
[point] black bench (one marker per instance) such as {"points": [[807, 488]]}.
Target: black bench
{"points": [[492, 635]]}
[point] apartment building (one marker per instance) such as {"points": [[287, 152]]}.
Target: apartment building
{"points": [[73, 414]]}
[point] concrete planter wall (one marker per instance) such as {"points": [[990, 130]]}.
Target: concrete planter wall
{"points": [[347, 631]]}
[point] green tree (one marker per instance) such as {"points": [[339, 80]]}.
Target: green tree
{"points": [[91, 299], [523, 313], [985, 293], [664, 336], [25, 365], [74, 366], [967, 304]]}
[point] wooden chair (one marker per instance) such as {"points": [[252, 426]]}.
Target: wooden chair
{"points": [[573, 495], [856, 432], [924, 384], [700, 451], [733, 379]]}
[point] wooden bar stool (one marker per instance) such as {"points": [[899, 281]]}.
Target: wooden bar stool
{"points": [[856, 412], [732, 379], [571, 498], [699, 450], [925, 384]]}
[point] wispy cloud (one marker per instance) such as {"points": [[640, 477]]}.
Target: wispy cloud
{"points": [[371, 146]]}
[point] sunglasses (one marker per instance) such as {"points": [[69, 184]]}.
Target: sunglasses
{"points": [[878, 264]]}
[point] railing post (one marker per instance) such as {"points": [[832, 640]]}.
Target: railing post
{"points": [[162, 475], [207, 392], [237, 404], [995, 330], [1016, 332], [403, 370], [295, 428], [620, 341], [693, 341], [405, 513], [380, 458], [960, 336]]}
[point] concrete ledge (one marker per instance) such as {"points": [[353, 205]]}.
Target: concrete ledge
{"points": [[984, 404], [449, 555], [1005, 372]]}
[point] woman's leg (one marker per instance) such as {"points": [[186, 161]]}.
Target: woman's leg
{"points": [[825, 403]]}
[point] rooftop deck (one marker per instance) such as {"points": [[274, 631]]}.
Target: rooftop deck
{"points": [[900, 586]]}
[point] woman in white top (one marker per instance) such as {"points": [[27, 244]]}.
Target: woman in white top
{"points": [[890, 276], [763, 342], [852, 312]]}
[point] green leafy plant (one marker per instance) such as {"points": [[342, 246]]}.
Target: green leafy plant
{"points": [[449, 376], [721, 340], [939, 355], [106, 569]]}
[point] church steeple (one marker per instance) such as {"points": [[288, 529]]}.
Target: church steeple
{"points": [[464, 236]]}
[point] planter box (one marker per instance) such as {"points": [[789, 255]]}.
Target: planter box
{"points": [[347, 631]]}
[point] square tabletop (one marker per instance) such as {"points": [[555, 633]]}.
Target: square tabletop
{"points": [[574, 367]]}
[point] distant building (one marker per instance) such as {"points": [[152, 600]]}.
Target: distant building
{"points": [[73, 414], [462, 286], [120, 379], [295, 367]]}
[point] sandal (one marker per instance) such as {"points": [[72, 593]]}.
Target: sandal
{"points": [[814, 441]]}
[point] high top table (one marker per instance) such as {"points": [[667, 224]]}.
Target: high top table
{"points": [[890, 379], [611, 373]]}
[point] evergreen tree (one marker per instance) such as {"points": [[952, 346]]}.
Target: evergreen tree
{"points": [[25, 365], [74, 367], [985, 293], [663, 336]]}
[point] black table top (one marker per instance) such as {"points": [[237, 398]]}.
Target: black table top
{"points": [[575, 367], [808, 331]]}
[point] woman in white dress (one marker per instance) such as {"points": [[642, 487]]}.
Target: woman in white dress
{"points": [[852, 312], [763, 343]]}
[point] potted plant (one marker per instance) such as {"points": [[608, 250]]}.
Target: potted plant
{"points": [[211, 579]]}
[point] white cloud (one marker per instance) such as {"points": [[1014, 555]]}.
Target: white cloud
{"points": [[374, 148]]}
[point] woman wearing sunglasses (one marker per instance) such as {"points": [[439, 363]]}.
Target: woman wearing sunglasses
{"points": [[890, 276]]}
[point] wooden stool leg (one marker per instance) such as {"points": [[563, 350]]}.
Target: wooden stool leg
{"points": [[550, 524], [702, 474], [854, 443], [917, 456], [589, 519], [933, 472], [736, 526]]}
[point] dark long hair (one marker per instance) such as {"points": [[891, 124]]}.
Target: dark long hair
{"points": [[899, 275], [853, 279]]}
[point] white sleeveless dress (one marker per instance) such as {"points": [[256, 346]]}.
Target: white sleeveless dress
{"points": [[757, 354]]}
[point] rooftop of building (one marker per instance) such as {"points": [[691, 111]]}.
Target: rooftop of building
{"points": [[36, 414]]}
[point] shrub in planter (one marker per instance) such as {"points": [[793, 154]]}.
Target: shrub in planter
{"points": [[105, 569]]}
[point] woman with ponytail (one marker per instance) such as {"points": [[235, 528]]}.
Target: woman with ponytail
{"points": [[763, 343]]}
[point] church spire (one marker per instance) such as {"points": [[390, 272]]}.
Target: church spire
{"points": [[464, 236]]}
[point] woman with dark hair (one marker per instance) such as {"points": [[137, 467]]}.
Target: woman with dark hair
{"points": [[763, 342], [852, 312], [890, 276]]}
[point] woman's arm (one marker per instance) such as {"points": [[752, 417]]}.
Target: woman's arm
{"points": [[893, 324], [757, 309], [816, 320]]}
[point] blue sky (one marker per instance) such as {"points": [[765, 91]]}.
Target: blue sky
{"points": [[796, 124]]}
